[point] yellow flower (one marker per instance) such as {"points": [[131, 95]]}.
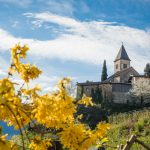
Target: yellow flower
{"points": [[86, 101], [6, 87], [39, 144], [28, 72], [102, 129], [52, 110], [31, 92], [73, 136], [6, 145]]}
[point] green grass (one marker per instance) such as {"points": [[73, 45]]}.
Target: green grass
{"points": [[124, 125]]}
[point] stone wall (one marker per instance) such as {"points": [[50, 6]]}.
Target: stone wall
{"points": [[106, 91], [116, 79], [124, 77], [120, 97], [137, 92], [115, 92], [120, 66], [120, 92], [141, 89], [87, 89]]}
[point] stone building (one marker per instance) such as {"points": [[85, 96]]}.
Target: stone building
{"points": [[116, 87], [141, 89]]}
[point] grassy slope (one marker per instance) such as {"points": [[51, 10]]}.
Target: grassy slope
{"points": [[123, 125]]}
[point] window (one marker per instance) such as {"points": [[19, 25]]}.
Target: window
{"points": [[117, 66], [124, 65], [87, 89]]}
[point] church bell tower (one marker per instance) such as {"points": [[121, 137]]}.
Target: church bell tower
{"points": [[122, 60]]}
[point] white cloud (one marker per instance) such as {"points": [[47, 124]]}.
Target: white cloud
{"points": [[47, 83], [89, 42], [3, 67], [22, 3], [61, 6], [3, 73], [37, 24], [49, 17], [14, 24]]}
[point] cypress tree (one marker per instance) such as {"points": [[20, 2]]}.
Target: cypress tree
{"points": [[98, 96], [80, 92], [147, 70], [93, 94], [104, 72]]}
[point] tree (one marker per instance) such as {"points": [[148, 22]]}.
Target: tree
{"points": [[147, 70], [21, 105], [80, 92], [140, 90], [93, 94], [104, 72], [98, 95]]}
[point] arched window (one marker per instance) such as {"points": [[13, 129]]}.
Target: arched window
{"points": [[130, 79], [87, 89]]}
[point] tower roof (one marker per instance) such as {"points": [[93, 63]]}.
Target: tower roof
{"points": [[122, 54]]}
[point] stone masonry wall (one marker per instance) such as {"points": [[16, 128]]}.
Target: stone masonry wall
{"points": [[106, 90], [120, 92], [141, 88]]}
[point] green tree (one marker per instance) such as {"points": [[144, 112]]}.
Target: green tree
{"points": [[93, 94], [147, 70], [104, 72], [98, 98], [80, 92]]}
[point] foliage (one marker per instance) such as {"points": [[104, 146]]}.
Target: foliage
{"points": [[104, 72], [80, 92], [92, 115], [21, 105], [97, 95], [147, 70]]}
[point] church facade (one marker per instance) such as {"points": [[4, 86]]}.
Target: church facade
{"points": [[116, 87]]}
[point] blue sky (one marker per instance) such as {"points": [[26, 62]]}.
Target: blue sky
{"points": [[73, 37]]}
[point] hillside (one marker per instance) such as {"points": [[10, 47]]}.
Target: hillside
{"points": [[123, 125]]}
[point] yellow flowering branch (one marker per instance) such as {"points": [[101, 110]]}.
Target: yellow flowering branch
{"points": [[18, 126], [54, 111]]}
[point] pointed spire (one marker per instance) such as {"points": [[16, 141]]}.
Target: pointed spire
{"points": [[122, 54]]}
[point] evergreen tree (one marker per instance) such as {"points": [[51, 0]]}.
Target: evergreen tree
{"points": [[104, 72], [98, 98], [80, 92], [93, 94], [147, 70]]}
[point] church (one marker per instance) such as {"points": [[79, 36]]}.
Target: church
{"points": [[123, 71], [116, 87]]}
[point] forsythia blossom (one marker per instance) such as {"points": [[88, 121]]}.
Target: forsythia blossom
{"points": [[56, 111], [86, 101], [6, 145], [10, 105], [26, 71], [39, 144], [77, 137]]}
